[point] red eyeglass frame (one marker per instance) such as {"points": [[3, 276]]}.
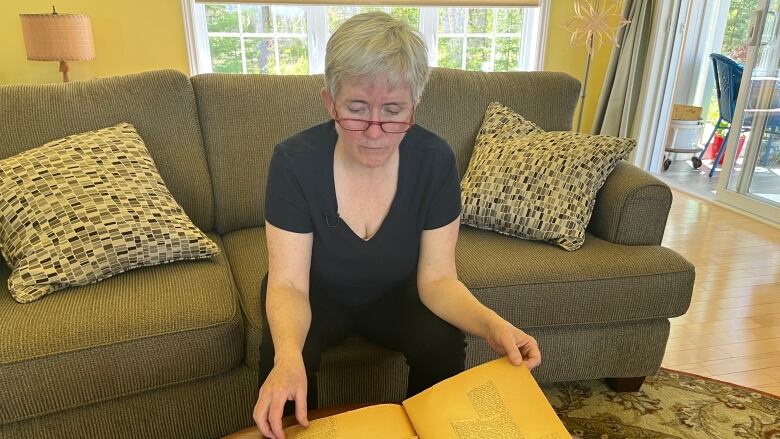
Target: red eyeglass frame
{"points": [[409, 124]]}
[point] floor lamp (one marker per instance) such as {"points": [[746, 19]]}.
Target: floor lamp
{"points": [[58, 37]]}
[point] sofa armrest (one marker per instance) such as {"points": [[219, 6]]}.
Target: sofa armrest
{"points": [[631, 208]]}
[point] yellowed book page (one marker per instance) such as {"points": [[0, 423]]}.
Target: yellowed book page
{"points": [[494, 400], [382, 421]]}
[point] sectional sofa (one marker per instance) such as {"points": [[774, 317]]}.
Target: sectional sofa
{"points": [[172, 350]]}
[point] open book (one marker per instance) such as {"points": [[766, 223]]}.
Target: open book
{"points": [[494, 400]]}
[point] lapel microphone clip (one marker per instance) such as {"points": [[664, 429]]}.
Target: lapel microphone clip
{"points": [[330, 219]]}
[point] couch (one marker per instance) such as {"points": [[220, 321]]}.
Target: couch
{"points": [[172, 350]]}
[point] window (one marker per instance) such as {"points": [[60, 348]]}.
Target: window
{"points": [[291, 39]]}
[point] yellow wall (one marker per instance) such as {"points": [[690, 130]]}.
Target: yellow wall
{"points": [[561, 57], [138, 35], [130, 36]]}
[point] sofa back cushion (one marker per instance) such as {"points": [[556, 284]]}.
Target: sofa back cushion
{"points": [[244, 116], [454, 103], [160, 104]]}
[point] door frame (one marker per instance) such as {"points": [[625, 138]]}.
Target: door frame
{"points": [[723, 194]]}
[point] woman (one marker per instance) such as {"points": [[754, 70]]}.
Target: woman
{"points": [[362, 216]]}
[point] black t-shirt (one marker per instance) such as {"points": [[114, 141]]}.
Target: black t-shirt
{"points": [[301, 197]]}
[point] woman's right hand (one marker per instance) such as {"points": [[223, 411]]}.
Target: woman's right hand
{"points": [[286, 382]]}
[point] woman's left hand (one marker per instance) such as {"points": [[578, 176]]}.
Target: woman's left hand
{"points": [[505, 339]]}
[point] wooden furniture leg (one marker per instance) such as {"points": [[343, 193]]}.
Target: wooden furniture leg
{"points": [[630, 384]]}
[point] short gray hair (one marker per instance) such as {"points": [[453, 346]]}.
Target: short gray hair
{"points": [[375, 44]]}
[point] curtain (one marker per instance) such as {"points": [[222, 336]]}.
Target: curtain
{"points": [[623, 84]]}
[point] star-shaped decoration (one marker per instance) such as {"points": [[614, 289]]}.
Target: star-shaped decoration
{"points": [[591, 23]]}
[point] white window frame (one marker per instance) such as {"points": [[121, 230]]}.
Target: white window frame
{"points": [[199, 53]]}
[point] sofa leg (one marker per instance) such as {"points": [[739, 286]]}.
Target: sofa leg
{"points": [[630, 384]]}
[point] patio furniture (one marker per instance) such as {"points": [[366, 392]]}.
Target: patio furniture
{"points": [[728, 76]]}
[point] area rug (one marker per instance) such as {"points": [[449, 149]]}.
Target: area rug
{"points": [[670, 404]]}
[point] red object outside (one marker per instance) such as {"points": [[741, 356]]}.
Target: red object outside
{"points": [[717, 143]]}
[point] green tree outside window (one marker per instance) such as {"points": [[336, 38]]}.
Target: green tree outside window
{"points": [[275, 38]]}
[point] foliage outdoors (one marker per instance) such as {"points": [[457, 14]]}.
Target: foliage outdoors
{"points": [[231, 25]]}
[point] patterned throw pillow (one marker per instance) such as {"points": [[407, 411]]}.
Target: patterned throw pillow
{"points": [[86, 207], [532, 184]]}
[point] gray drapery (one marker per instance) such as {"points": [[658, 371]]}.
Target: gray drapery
{"points": [[623, 82]]}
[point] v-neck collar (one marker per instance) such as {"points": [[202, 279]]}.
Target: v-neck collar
{"points": [[330, 176]]}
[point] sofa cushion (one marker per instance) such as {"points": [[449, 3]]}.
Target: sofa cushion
{"points": [[160, 104], [248, 258], [530, 283], [239, 142], [454, 101], [140, 330], [372, 371], [532, 184], [86, 207], [243, 117], [534, 284]]}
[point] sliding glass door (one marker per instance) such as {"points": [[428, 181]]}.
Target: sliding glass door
{"points": [[750, 177]]}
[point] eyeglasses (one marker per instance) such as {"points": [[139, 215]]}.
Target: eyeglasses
{"points": [[389, 127]]}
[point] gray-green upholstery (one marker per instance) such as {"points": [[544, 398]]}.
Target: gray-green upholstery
{"points": [[596, 287], [245, 251], [631, 208], [244, 117], [160, 104], [599, 283], [136, 331], [454, 102], [209, 408], [172, 351]]}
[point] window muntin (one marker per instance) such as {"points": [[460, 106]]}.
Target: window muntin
{"points": [[290, 39]]}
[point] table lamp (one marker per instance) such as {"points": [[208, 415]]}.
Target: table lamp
{"points": [[58, 37]]}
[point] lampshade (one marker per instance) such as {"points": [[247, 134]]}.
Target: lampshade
{"points": [[58, 37]]}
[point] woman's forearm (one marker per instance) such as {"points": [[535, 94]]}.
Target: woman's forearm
{"points": [[289, 316], [449, 299]]}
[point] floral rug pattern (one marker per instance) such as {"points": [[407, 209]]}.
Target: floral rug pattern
{"points": [[669, 405]]}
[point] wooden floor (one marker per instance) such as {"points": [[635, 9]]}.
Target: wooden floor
{"points": [[732, 330]]}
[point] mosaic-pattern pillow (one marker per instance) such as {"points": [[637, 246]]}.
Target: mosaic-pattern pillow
{"points": [[532, 184], [86, 207]]}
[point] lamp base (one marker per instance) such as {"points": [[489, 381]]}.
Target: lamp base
{"points": [[65, 69]]}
